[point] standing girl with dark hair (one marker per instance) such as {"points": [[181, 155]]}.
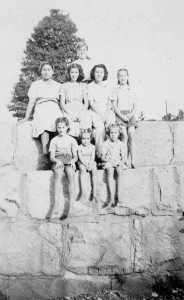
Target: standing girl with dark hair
{"points": [[74, 100], [100, 104], [44, 96], [124, 104]]}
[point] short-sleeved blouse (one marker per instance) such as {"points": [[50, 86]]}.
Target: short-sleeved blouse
{"points": [[113, 150], [124, 97], [99, 95], [66, 144], [73, 91], [44, 90]]}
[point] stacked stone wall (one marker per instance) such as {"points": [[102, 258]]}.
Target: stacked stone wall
{"points": [[143, 234]]}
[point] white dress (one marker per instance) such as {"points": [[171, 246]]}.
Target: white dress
{"points": [[47, 110]]}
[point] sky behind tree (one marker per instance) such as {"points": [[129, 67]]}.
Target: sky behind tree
{"points": [[145, 36]]}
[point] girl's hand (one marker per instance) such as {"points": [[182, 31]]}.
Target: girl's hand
{"points": [[122, 164], [23, 120], [72, 164], [129, 116], [59, 164], [125, 118], [90, 165]]}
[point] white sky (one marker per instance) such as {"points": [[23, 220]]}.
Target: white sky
{"points": [[144, 36]]}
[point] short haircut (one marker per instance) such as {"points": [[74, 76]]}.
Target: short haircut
{"points": [[92, 73], [75, 66], [43, 63], [62, 120], [112, 125], [81, 44]]}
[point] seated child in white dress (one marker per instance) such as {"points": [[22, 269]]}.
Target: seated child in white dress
{"points": [[113, 157], [63, 153], [86, 154]]}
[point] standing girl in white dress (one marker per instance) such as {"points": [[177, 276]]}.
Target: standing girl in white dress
{"points": [[74, 100], [124, 103], [86, 163], [44, 97], [100, 104]]}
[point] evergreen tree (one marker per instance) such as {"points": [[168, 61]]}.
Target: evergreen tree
{"points": [[53, 40]]}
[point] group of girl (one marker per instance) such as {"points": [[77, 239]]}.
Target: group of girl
{"points": [[81, 109]]}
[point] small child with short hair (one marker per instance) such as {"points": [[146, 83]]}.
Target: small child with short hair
{"points": [[86, 163], [113, 157], [63, 154]]}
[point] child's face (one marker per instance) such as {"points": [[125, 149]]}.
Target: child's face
{"points": [[62, 129], [74, 74], [114, 134], [85, 139], [47, 72], [82, 52], [99, 74], [122, 77]]}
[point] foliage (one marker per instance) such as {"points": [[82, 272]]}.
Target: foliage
{"points": [[171, 117], [53, 40], [168, 287], [141, 116]]}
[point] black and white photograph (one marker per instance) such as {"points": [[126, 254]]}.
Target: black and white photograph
{"points": [[92, 150]]}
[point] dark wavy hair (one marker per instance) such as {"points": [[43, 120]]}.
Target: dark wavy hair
{"points": [[92, 73], [43, 63], [62, 120], [75, 66], [125, 70]]}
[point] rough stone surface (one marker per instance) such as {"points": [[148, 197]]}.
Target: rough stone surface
{"points": [[28, 150], [103, 245], [158, 242], [154, 144], [178, 142], [7, 137], [49, 259], [10, 192]]}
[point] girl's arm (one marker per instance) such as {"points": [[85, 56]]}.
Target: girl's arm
{"points": [[118, 113], [63, 106], [93, 107], [81, 157], [74, 159], [53, 159], [134, 109], [28, 110], [85, 106]]}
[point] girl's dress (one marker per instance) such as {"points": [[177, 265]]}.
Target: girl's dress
{"points": [[87, 153], [47, 110], [125, 99], [74, 95], [113, 151]]}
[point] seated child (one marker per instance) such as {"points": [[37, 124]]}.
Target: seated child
{"points": [[86, 154], [63, 154], [113, 159]]}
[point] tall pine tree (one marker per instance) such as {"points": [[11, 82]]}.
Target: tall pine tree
{"points": [[53, 40]]}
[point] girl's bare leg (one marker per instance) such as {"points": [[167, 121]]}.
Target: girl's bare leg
{"points": [[131, 145], [124, 140], [110, 173], [94, 182], [57, 188], [45, 142], [119, 172], [71, 182], [82, 169]]}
